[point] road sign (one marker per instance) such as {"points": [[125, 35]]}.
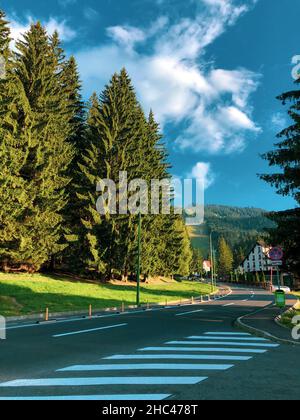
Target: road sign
{"points": [[276, 253], [275, 263]]}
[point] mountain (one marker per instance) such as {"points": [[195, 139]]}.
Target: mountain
{"points": [[241, 227]]}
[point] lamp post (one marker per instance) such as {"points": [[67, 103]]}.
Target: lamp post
{"points": [[138, 271], [211, 261]]}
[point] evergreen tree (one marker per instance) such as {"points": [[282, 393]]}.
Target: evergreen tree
{"points": [[197, 262], [41, 130], [287, 157], [225, 262]]}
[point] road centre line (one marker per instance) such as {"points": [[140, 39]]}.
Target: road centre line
{"points": [[187, 313], [88, 331], [95, 317]]}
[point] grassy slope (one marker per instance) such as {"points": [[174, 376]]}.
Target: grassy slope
{"points": [[287, 318], [27, 294]]}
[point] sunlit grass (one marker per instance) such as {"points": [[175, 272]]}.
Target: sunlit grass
{"points": [[25, 294]]}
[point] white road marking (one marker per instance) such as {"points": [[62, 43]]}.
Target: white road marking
{"points": [[205, 349], [199, 337], [177, 356], [228, 304], [227, 333], [88, 331], [225, 343], [187, 313], [121, 397], [152, 380], [147, 366]]}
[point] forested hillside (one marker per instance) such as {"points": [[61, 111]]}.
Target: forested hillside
{"points": [[239, 226]]}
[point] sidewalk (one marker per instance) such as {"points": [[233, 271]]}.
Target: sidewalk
{"points": [[263, 323]]}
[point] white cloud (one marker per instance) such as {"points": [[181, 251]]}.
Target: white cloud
{"points": [[175, 78], [279, 121], [126, 36], [18, 28], [203, 172]]}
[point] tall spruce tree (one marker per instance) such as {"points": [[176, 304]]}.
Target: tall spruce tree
{"points": [[225, 260], [41, 130], [287, 157]]}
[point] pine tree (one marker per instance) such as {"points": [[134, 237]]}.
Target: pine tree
{"points": [[197, 262], [225, 258], [42, 133], [13, 146], [287, 182]]}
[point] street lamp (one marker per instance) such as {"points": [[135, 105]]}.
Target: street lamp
{"points": [[138, 271], [211, 260]]}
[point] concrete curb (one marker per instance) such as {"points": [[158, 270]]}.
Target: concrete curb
{"points": [[260, 333], [117, 310]]}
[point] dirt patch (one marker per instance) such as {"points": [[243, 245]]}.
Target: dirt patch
{"points": [[10, 301], [152, 280]]}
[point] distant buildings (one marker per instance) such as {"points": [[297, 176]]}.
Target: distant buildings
{"points": [[257, 259], [206, 266]]}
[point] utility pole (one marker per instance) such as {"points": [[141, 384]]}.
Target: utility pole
{"points": [[138, 271], [211, 261], [215, 267]]}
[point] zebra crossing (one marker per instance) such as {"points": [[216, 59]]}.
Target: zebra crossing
{"points": [[193, 360]]}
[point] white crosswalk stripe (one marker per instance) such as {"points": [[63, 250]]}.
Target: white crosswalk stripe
{"points": [[119, 380], [115, 397], [148, 366], [177, 356], [205, 349], [199, 337], [228, 333], [225, 343], [213, 346]]}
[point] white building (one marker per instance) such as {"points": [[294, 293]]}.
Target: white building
{"points": [[207, 266], [257, 259]]}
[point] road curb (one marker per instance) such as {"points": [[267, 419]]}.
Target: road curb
{"points": [[261, 333], [115, 310]]}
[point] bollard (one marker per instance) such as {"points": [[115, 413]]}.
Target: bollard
{"points": [[47, 315], [123, 307], [90, 311], [201, 299], [148, 305], [192, 300]]}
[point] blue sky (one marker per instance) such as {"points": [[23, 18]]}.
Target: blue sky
{"points": [[210, 69]]}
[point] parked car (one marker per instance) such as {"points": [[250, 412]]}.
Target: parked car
{"points": [[283, 288]]}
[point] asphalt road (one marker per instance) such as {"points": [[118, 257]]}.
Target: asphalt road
{"points": [[179, 353]]}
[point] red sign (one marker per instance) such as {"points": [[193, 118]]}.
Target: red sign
{"points": [[276, 254]]}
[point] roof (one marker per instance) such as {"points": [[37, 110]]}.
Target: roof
{"points": [[259, 243]]}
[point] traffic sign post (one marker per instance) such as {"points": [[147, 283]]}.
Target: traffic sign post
{"points": [[276, 256]]}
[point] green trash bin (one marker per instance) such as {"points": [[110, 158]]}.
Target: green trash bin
{"points": [[280, 298]]}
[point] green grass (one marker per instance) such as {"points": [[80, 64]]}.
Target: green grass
{"points": [[25, 294], [287, 318]]}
